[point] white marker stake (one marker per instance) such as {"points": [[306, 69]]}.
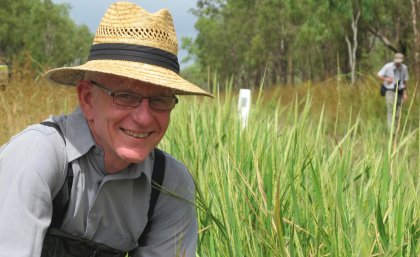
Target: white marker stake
{"points": [[244, 105]]}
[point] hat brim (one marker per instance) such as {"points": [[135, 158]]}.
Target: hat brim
{"points": [[398, 60], [134, 70]]}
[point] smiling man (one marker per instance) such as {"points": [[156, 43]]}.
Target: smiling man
{"points": [[93, 183], [127, 119]]}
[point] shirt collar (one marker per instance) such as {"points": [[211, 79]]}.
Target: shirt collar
{"points": [[397, 68], [79, 140]]}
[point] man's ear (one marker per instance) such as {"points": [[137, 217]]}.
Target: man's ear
{"points": [[85, 96]]}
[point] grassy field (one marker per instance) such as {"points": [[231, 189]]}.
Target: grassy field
{"points": [[315, 173]]}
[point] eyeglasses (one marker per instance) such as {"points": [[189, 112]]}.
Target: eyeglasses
{"points": [[133, 100]]}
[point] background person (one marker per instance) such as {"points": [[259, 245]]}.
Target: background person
{"points": [[394, 76], [102, 154]]}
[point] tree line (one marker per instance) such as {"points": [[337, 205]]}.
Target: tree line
{"points": [[42, 30], [282, 41], [289, 41]]}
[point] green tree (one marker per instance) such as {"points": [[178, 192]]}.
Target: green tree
{"points": [[42, 29], [300, 40]]}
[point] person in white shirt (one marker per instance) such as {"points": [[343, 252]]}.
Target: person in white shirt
{"points": [[394, 77]]}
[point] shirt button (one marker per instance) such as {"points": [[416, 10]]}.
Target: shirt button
{"points": [[97, 151]]}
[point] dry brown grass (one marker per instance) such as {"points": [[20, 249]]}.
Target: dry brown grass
{"points": [[25, 102], [340, 101]]}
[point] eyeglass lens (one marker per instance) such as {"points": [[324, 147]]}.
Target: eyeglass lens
{"points": [[129, 99], [160, 103]]}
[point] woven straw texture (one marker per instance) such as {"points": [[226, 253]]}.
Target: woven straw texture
{"points": [[128, 23]]}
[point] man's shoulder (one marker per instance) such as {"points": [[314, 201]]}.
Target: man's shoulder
{"points": [[175, 164], [39, 149], [34, 135], [386, 68], [389, 65], [176, 172]]}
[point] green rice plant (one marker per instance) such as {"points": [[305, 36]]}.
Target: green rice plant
{"points": [[314, 173], [295, 182]]}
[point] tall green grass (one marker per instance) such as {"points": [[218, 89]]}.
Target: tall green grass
{"points": [[302, 179], [315, 173]]}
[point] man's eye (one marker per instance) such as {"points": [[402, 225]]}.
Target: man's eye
{"points": [[159, 100], [127, 97]]}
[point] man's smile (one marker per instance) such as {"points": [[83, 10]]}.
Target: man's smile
{"points": [[135, 134]]}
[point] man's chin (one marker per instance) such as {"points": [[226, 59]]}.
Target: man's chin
{"points": [[134, 156]]}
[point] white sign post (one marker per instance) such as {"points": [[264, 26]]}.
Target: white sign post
{"points": [[244, 105]]}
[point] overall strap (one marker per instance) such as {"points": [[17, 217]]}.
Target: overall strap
{"points": [[54, 125], [157, 180], [62, 199]]}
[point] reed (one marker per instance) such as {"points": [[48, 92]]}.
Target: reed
{"points": [[315, 172], [25, 102], [304, 178]]}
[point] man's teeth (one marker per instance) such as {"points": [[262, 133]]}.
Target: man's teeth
{"points": [[134, 134]]}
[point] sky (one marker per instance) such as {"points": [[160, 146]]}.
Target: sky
{"points": [[90, 12]]}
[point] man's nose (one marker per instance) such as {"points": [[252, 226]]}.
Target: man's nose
{"points": [[143, 114]]}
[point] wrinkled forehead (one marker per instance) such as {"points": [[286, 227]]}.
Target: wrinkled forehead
{"points": [[119, 83]]}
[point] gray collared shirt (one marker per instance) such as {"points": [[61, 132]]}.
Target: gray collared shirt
{"points": [[399, 74], [106, 208]]}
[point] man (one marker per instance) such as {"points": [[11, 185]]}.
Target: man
{"points": [[101, 157], [394, 76]]}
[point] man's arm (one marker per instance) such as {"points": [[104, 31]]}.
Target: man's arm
{"points": [[383, 75], [405, 93], [386, 79], [27, 174]]}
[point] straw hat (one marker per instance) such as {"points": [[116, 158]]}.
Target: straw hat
{"points": [[398, 58], [136, 44]]}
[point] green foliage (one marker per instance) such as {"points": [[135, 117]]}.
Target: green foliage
{"points": [[43, 30], [194, 74], [299, 40]]}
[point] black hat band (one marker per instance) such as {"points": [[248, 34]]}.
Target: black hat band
{"points": [[134, 53]]}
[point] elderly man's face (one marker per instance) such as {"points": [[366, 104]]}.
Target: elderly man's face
{"points": [[127, 135]]}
